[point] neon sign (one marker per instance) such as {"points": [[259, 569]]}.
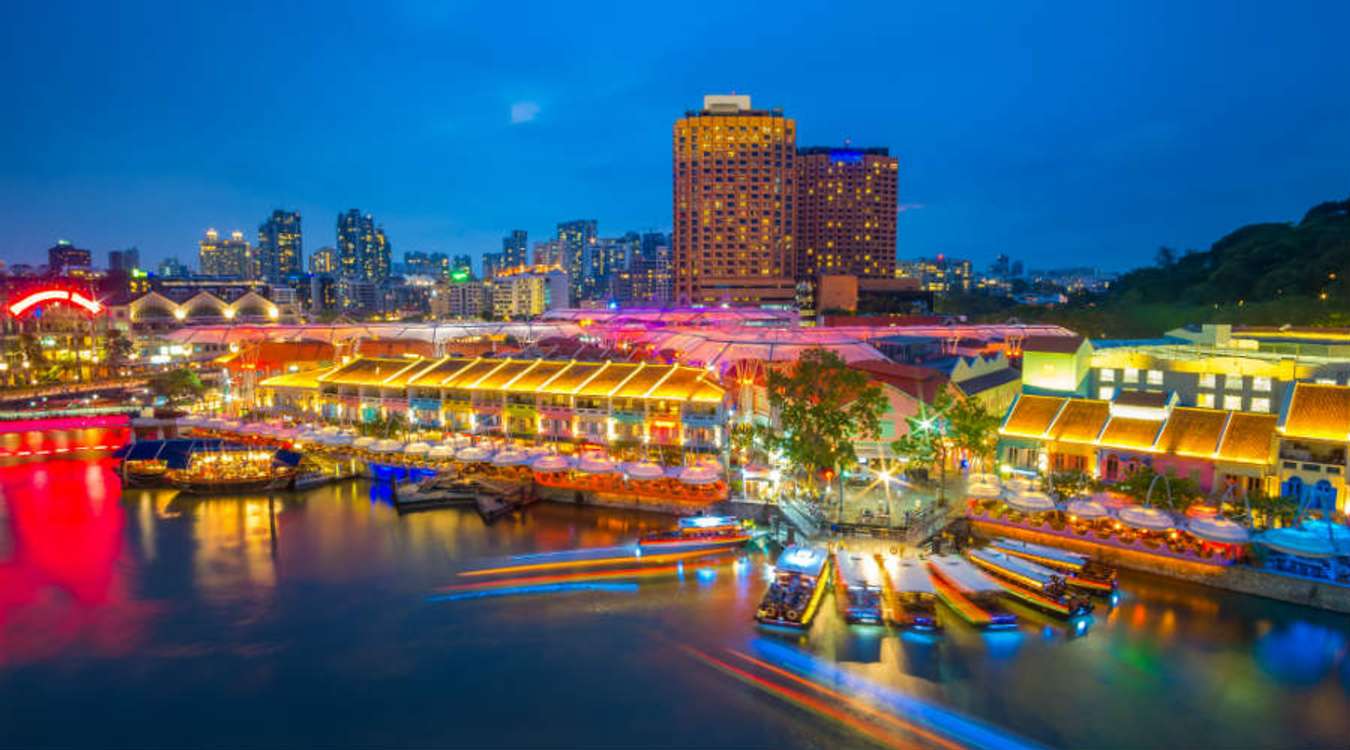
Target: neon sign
{"points": [[55, 295]]}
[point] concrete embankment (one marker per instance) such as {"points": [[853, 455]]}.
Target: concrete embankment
{"points": [[1240, 578]]}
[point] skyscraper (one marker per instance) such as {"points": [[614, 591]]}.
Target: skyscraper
{"points": [[363, 250], [280, 248], [124, 261], [231, 257], [548, 253], [578, 242], [492, 265], [734, 212], [516, 249], [846, 206], [63, 257]]}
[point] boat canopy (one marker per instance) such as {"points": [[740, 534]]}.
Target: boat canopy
{"points": [[1040, 550], [1220, 530], [1149, 519], [964, 574], [708, 522], [1030, 501], [287, 457], [858, 569], [805, 560], [1014, 566], [908, 576], [1088, 509]]}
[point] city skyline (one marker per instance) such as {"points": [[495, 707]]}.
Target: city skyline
{"points": [[1006, 145]]}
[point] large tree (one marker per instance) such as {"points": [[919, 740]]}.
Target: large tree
{"points": [[822, 405], [970, 427], [117, 349], [177, 386]]}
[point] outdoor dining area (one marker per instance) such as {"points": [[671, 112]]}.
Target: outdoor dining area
{"points": [[700, 481], [1109, 519]]}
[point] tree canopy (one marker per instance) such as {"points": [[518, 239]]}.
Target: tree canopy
{"points": [[822, 406]]}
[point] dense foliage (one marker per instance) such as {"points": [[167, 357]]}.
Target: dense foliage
{"points": [[1260, 274]]}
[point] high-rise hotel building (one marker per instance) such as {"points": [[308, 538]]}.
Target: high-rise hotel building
{"points": [[734, 212], [846, 212]]}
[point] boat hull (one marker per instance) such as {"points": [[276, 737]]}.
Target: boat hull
{"points": [[688, 544], [808, 613]]}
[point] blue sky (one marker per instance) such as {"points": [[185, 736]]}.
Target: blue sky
{"points": [[1058, 133]]}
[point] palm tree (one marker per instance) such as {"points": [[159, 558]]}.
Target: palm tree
{"points": [[117, 349]]}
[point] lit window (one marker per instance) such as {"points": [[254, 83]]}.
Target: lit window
{"points": [[1233, 382], [1229, 402], [1260, 404], [1108, 376], [1155, 377], [1205, 400], [1106, 392], [1261, 385], [1207, 380], [1131, 375]]}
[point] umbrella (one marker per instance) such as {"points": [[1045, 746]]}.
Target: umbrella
{"points": [[644, 470], [701, 474], [982, 489], [338, 439], [1149, 519], [510, 457], [388, 445], [1030, 501], [363, 442], [474, 454], [552, 462], [595, 463], [1219, 530], [1088, 509], [441, 452], [1299, 541], [417, 449]]}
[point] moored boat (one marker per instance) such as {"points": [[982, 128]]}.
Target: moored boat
{"points": [[911, 600], [698, 532], [1031, 583], [974, 596], [799, 581], [229, 468], [858, 587], [1080, 571]]}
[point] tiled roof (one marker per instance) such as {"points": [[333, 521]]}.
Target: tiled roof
{"points": [[1249, 438], [1080, 421], [987, 381], [1192, 432], [368, 371], [537, 376], [476, 371], [607, 380], [1318, 412], [1031, 415], [1132, 434], [437, 373], [308, 379], [510, 370], [1052, 344], [923, 383]]}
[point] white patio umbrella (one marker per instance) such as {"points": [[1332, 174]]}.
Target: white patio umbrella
{"points": [[1087, 509], [1030, 501], [1220, 530], [1149, 519], [644, 470], [552, 462]]}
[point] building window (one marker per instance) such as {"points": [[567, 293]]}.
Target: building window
{"points": [[1230, 402], [1233, 382], [1261, 385], [1205, 400], [1260, 404], [1131, 375], [1106, 392], [1155, 377], [1108, 376], [1207, 380]]}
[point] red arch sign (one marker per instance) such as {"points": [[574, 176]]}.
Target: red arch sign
{"points": [[45, 296]]}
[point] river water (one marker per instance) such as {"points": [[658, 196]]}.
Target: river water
{"points": [[151, 619]]}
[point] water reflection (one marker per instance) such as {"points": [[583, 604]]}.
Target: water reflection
{"points": [[245, 602]]}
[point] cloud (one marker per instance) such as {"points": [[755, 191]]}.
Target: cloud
{"points": [[522, 112], [903, 207]]}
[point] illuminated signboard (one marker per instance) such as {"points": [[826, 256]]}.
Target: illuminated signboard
{"points": [[48, 296]]}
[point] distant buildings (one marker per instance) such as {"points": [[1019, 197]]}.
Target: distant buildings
{"points": [[362, 247], [516, 249], [172, 268], [549, 253], [124, 261], [493, 263], [523, 293], [578, 240], [941, 274], [230, 257], [64, 257], [280, 253], [464, 299], [324, 260], [734, 211]]}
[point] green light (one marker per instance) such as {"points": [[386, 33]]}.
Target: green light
{"points": [[459, 275]]}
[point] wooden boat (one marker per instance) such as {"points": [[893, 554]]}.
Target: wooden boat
{"points": [[858, 588], [437, 492], [1031, 583], [799, 581], [1080, 571], [974, 596], [911, 600], [695, 533], [496, 498]]}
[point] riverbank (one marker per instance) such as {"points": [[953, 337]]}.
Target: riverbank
{"points": [[1242, 579]]}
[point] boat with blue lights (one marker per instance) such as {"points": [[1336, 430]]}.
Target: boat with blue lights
{"points": [[1031, 583], [911, 600], [799, 581], [697, 533], [858, 588], [1079, 571], [971, 594], [206, 466]]}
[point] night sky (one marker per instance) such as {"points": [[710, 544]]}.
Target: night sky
{"points": [[1060, 134]]}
